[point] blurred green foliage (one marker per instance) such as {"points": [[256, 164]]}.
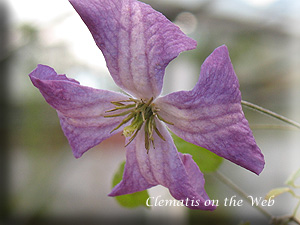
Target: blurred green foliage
{"points": [[131, 200], [206, 160]]}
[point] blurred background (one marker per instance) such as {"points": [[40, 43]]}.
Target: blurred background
{"points": [[41, 181]]}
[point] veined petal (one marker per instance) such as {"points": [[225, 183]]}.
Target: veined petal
{"points": [[165, 166], [80, 109], [137, 42], [211, 114]]}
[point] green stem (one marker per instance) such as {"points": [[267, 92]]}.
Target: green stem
{"points": [[238, 190], [270, 113]]}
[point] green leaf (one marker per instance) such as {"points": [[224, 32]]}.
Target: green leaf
{"points": [[291, 180], [131, 200], [206, 160], [278, 191]]}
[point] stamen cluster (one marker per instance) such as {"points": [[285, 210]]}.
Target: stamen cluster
{"points": [[139, 112]]}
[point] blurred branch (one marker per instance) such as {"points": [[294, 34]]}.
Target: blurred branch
{"points": [[272, 127], [238, 190], [270, 113], [284, 220]]}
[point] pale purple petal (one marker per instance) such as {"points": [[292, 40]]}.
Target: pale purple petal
{"points": [[80, 109], [211, 114], [137, 42], [165, 166]]}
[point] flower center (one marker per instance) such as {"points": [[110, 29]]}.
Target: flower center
{"points": [[139, 112]]}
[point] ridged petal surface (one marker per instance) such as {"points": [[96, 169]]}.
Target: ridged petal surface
{"points": [[136, 41], [165, 166], [80, 109], [211, 114]]}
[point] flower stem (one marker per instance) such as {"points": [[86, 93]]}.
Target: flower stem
{"points": [[270, 113], [237, 189]]}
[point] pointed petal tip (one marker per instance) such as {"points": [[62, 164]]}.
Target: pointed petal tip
{"points": [[223, 46], [259, 168], [112, 194], [119, 189], [254, 164], [193, 44], [77, 155], [46, 73], [41, 72], [223, 49], [40, 67], [113, 191], [257, 163]]}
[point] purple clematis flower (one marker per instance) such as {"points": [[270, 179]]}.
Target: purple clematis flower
{"points": [[138, 43]]}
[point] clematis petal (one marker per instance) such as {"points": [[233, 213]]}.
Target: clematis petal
{"points": [[137, 42], [80, 109], [211, 114], [165, 166]]}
